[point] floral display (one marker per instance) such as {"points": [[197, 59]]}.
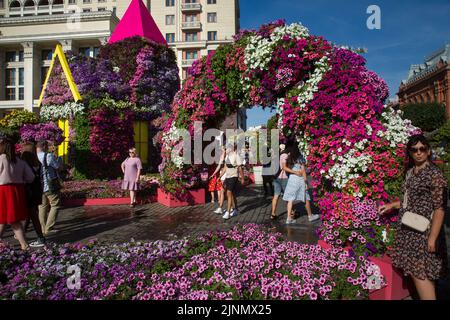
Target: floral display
{"points": [[131, 80], [326, 100], [17, 118], [111, 135], [42, 132], [96, 189], [67, 111], [243, 263]]}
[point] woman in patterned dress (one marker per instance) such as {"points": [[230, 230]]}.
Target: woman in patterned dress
{"points": [[423, 256]]}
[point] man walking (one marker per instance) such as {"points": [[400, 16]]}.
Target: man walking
{"points": [[48, 210]]}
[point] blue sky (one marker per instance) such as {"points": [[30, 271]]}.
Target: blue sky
{"points": [[410, 30]]}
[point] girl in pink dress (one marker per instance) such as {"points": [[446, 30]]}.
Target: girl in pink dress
{"points": [[132, 168]]}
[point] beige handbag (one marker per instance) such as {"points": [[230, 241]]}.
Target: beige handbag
{"points": [[413, 220]]}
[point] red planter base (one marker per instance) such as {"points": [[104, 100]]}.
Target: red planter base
{"points": [[70, 203], [397, 286], [196, 197], [327, 246]]}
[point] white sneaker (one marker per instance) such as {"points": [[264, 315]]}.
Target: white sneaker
{"points": [[234, 213], [314, 217], [226, 216], [219, 211], [290, 221]]}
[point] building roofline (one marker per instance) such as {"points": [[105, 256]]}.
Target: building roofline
{"points": [[58, 18]]}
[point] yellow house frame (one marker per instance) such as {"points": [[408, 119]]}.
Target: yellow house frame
{"points": [[140, 127], [63, 124], [59, 53]]}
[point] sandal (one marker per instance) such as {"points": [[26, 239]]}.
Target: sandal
{"points": [[273, 217]]}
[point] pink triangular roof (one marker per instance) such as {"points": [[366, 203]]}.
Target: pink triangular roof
{"points": [[137, 21]]}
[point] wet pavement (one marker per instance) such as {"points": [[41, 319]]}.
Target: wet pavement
{"points": [[116, 224]]}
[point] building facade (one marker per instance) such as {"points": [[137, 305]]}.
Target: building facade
{"points": [[428, 82], [30, 30]]}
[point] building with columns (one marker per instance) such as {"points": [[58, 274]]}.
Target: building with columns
{"points": [[428, 82], [30, 30]]}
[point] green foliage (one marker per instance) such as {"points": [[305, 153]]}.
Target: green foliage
{"points": [[81, 148], [427, 117], [230, 79]]}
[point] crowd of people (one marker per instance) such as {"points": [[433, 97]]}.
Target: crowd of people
{"points": [[29, 191], [290, 180]]}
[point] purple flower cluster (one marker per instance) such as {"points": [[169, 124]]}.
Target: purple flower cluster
{"points": [[243, 263], [42, 131]]}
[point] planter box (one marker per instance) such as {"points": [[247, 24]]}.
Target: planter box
{"points": [[397, 287], [196, 197], [257, 171], [327, 246], [70, 203]]}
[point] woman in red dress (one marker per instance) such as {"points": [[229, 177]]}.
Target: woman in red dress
{"points": [[14, 173]]}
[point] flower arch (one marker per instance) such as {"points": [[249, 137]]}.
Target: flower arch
{"points": [[326, 100]]}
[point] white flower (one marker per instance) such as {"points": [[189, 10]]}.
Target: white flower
{"points": [[65, 111]]}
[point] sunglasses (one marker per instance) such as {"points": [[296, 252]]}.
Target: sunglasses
{"points": [[421, 149]]}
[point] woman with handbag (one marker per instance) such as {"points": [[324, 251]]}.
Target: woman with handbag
{"points": [[420, 248]]}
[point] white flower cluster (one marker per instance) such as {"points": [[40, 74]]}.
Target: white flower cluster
{"points": [[65, 111], [172, 137], [259, 50], [312, 84], [303, 145], [349, 166], [398, 130]]}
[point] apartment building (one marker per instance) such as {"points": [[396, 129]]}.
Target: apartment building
{"points": [[30, 30]]}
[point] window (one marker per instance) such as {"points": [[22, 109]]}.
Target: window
{"points": [[2, 4], [191, 55], [87, 1], [85, 52], [191, 36], [170, 37], [21, 76], [44, 71], [170, 3], [212, 17], [47, 54], [101, 9], [212, 1], [10, 77], [170, 20], [191, 18], [96, 51], [10, 92], [72, 1], [11, 56], [87, 10], [212, 35]]}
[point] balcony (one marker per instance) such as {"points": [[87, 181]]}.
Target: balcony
{"points": [[58, 8], [15, 11], [190, 7], [191, 25], [43, 9], [29, 11]]}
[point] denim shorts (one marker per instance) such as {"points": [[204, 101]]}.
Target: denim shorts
{"points": [[279, 185]]}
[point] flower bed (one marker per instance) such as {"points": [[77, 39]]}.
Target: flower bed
{"points": [[80, 192], [243, 263]]}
